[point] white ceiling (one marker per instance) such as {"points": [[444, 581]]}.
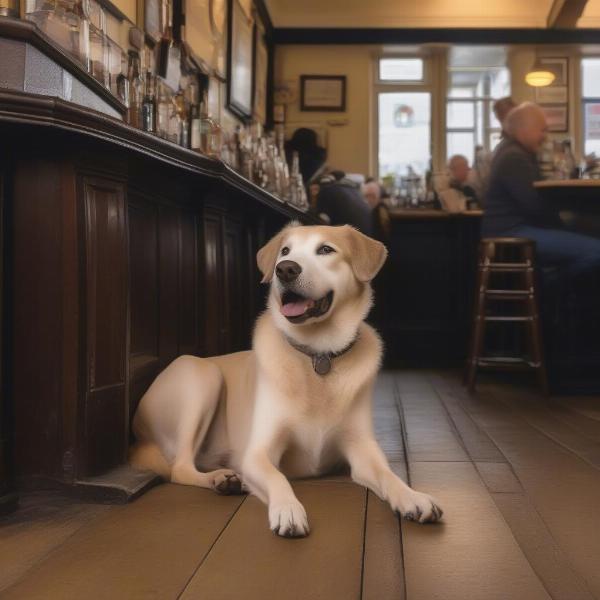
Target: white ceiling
{"points": [[423, 13]]}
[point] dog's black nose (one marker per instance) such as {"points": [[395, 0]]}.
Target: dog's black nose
{"points": [[288, 270]]}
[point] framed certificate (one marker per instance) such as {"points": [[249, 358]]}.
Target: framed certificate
{"points": [[240, 32], [323, 93]]}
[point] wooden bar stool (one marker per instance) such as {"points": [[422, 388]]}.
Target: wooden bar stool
{"points": [[506, 278]]}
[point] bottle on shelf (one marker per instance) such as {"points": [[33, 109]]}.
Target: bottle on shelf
{"points": [[195, 116], [149, 105], [136, 90]]}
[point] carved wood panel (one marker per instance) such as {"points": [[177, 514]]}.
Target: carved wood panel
{"points": [[106, 418]]}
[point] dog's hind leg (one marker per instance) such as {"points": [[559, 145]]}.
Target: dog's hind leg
{"points": [[184, 398]]}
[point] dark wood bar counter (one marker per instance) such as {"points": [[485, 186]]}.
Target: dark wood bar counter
{"points": [[427, 286], [121, 251]]}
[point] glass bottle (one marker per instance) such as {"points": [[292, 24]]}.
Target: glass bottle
{"points": [[195, 125], [149, 105], [136, 90], [163, 102]]}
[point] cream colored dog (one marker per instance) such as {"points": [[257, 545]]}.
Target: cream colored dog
{"points": [[298, 403]]}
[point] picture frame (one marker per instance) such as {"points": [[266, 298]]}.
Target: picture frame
{"points": [[557, 117], [152, 20], [323, 93], [261, 66], [240, 42], [552, 94], [559, 66]]}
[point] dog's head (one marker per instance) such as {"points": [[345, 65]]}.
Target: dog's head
{"points": [[315, 269]]}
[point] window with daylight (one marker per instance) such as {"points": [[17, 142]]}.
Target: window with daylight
{"points": [[403, 116], [590, 96], [476, 78]]}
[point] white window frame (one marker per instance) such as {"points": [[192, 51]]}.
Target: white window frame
{"points": [[433, 79]]}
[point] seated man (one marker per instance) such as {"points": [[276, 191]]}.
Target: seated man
{"points": [[461, 179], [343, 202], [513, 207]]}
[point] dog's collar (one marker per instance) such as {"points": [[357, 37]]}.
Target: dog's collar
{"points": [[321, 361]]}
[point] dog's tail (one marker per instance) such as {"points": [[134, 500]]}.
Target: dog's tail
{"points": [[145, 455]]}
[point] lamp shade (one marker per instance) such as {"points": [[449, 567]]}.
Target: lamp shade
{"points": [[539, 75]]}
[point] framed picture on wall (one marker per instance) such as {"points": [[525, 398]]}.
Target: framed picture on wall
{"points": [[552, 94], [261, 65], [240, 41], [558, 66], [557, 117], [323, 93]]}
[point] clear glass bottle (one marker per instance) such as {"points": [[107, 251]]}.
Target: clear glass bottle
{"points": [[163, 102], [149, 105], [136, 90], [194, 120]]}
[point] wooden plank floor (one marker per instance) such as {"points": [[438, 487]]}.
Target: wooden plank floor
{"points": [[518, 477]]}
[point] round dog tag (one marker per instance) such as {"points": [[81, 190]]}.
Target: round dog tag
{"points": [[322, 365]]}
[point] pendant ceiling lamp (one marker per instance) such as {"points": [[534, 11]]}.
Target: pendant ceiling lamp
{"points": [[539, 75]]}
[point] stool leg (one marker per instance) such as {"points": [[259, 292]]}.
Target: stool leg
{"points": [[535, 334], [478, 329]]}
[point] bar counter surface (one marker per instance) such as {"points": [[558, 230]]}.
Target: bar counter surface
{"points": [[120, 251]]}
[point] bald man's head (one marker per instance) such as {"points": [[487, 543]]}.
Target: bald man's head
{"points": [[526, 124], [458, 165]]}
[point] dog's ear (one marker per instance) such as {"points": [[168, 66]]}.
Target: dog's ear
{"points": [[266, 257], [366, 254]]}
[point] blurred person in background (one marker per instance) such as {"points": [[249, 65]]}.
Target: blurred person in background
{"points": [[513, 207], [462, 179]]}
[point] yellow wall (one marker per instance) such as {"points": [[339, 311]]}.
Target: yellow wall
{"points": [[348, 144]]}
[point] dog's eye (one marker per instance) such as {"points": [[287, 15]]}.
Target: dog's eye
{"points": [[285, 251], [325, 250]]}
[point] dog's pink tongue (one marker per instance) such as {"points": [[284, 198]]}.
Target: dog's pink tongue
{"points": [[295, 309]]}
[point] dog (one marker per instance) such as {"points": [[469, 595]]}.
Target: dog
{"points": [[299, 403]]}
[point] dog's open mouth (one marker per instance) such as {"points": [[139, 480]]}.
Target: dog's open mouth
{"points": [[297, 308]]}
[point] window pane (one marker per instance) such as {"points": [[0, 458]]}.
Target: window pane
{"points": [[500, 83], [461, 92], [401, 69], [590, 71], [404, 132], [461, 143], [591, 124], [460, 115]]}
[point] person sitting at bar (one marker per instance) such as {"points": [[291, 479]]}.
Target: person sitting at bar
{"points": [[342, 201], [462, 179], [513, 207]]}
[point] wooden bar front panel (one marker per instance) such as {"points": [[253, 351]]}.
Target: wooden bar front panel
{"points": [[106, 414]]}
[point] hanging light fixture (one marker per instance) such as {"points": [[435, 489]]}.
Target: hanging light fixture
{"points": [[539, 75]]}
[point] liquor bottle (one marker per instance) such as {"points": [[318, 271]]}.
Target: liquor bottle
{"points": [[195, 118], [572, 171], [136, 90], [163, 102], [183, 130], [149, 105]]}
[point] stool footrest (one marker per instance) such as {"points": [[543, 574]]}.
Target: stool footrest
{"points": [[508, 294], [510, 319], [507, 361]]}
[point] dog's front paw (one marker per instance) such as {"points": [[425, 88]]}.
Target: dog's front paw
{"points": [[288, 519], [416, 506]]}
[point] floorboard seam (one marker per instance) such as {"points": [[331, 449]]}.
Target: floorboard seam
{"points": [[364, 546], [547, 435], [217, 538], [401, 417]]}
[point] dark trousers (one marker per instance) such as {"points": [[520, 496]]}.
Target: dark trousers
{"points": [[573, 253]]}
